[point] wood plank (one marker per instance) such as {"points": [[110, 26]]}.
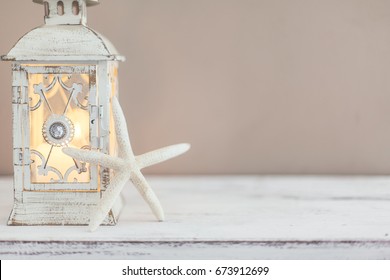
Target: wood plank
{"points": [[323, 250]]}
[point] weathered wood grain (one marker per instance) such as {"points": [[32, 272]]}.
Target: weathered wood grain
{"points": [[225, 218], [280, 250]]}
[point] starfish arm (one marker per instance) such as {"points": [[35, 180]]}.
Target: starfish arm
{"points": [[148, 194], [108, 199], [95, 158], [124, 146], [161, 155]]}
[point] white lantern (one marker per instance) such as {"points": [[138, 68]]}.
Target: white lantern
{"points": [[64, 78]]}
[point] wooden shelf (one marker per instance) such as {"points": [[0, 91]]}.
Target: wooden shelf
{"points": [[225, 218]]}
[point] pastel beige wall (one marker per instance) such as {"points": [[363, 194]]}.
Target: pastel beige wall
{"points": [[257, 86]]}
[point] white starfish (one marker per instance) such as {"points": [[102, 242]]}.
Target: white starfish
{"points": [[126, 166]]}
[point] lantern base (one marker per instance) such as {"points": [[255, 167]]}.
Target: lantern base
{"points": [[58, 213]]}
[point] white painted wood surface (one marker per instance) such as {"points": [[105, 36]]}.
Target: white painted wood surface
{"points": [[225, 218]]}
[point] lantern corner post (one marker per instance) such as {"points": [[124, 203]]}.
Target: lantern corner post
{"points": [[107, 85], [21, 140]]}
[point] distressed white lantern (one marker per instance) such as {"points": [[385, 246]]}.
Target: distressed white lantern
{"points": [[64, 78]]}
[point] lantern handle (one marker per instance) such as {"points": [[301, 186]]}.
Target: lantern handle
{"points": [[89, 3]]}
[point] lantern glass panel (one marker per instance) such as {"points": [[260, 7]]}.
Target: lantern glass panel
{"points": [[59, 117], [113, 73]]}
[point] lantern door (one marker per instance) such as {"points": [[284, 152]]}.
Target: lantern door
{"points": [[63, 105]]}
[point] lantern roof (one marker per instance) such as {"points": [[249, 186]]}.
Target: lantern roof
{"points": [[63, 43], [64, 37]]}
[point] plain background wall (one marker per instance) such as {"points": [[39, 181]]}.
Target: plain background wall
{"points": [[257, 86]]}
